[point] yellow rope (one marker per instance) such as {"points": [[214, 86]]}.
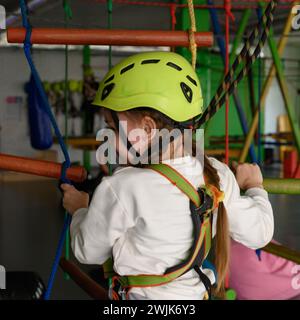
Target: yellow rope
{"points": [[192, 30]]}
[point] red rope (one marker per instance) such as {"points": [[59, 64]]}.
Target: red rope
{"points": [[265, 1], [173, 15], [295, 174], [173, 20], [228, 16]]}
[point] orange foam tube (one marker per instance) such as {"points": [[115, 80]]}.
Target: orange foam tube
{"points": [[40, 168], [109, 37]]}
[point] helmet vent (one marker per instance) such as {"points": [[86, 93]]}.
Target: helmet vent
{"points": [[109, 79], [192, 80], [107, 90], [150, 61], [173, 65], [127, 68], [187, 91]]}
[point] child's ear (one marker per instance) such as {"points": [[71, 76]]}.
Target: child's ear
{"points": [[149, 126]]}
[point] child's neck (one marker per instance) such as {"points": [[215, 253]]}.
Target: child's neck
{"points": [[175, 150]]}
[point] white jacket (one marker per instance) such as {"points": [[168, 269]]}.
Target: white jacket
{"points": [[144, 221]]}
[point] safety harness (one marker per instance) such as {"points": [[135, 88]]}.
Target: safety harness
{"points": [[202, 203]]}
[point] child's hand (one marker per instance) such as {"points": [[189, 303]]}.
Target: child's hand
{"points": [[248, 175], [74, 199]]}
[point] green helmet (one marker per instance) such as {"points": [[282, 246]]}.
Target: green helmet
{"points": [[163, 81]]}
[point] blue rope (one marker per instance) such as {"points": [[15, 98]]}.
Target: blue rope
{"points": [[57, 256], [38, 82], [67, 163], [259, 16]]}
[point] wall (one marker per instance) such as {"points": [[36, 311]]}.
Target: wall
{"points": [[14, 73], [274, 105]]}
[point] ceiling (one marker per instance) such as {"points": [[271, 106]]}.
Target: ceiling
{"points": [[93, 14]]}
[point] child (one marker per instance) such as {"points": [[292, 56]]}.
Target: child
{"points": [[141, 219]]}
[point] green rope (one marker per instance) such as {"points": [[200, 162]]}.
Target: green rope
{"points": [[109, 12], [68, 16], [86, 69], [68, 10], [86, 58]]}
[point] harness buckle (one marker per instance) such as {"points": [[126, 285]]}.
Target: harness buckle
{"points": [[116, 291], [122, 293], [204, 210]]}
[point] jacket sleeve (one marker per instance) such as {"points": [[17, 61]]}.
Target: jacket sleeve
{"points": [[95, 230], [250, 216]]}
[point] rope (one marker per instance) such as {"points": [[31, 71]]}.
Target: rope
{"points": [[173, 20], [228, 16], [66, 164], [68, 16], [259, 14], [152, 4], [173, 15], [229, 84], [221, 44], [109, 12], [58, 253], [192, 30], [196, 6], [27, 51]]}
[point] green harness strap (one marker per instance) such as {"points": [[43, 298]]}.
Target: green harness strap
{"points": [[204, 238], [177, 180]]}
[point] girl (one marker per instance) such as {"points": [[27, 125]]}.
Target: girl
{"points": [[143, 221]]}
